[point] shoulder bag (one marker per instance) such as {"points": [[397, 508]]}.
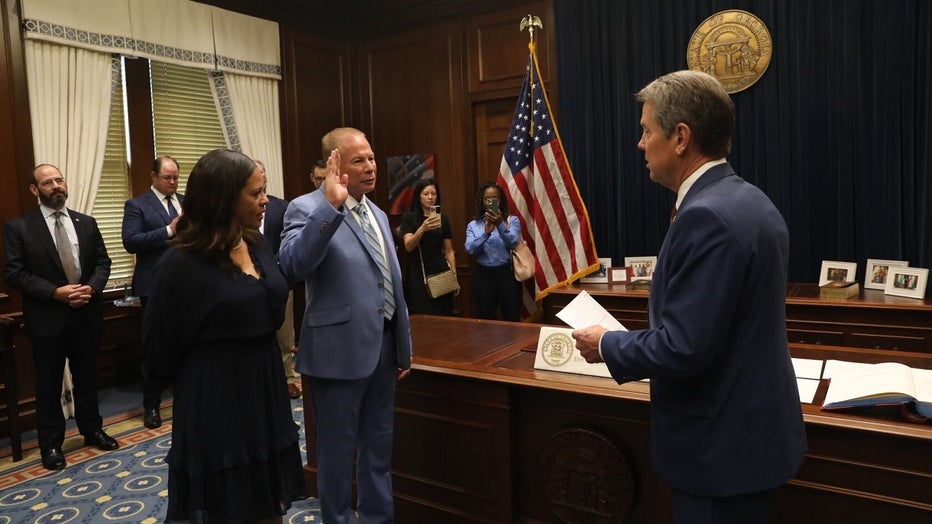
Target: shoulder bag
{"points": [[439, 284], [523, 262]]}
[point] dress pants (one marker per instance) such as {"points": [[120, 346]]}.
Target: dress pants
{"points": [[751, 508], [355, 420], [80, 343], [494, 288], [152, 388]]}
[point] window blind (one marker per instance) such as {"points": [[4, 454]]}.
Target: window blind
{"points": [[114, 190], [185, 119]]}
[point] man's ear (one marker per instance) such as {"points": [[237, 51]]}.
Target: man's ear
{"points": [[683, 135], [34, 190]]}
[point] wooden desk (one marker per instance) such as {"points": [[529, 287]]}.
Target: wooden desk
{"points": [[480, 436], [10, 386], [870, 320]]}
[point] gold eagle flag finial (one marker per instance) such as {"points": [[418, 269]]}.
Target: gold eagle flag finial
{"points": [[529, 22]]}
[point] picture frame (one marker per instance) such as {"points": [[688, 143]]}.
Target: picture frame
{"points": [[909, 282], [619, 275], [642, 268], [833, 270], [600, 276], [875, 273]]}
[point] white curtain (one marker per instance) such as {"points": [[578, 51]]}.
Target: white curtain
{"points": [[253, 104], [69, 101]]}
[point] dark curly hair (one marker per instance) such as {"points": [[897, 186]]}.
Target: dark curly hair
{"points": [[208, 225], [502, 204]]}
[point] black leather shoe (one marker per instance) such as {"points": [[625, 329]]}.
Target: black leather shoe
{"points": [[101, 440], [53, 459], [152, 419]]}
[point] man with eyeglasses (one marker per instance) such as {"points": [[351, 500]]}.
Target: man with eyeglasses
{"points": [[149, 221], [57, 258], [319, 174]]}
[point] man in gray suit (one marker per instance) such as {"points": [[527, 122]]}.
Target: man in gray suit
{"points": [[355, 338]]}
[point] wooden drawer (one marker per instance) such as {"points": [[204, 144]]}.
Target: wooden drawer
{"points": [[812, 336]]}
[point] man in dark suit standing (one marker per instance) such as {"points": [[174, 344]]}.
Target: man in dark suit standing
{"points": [[355, 338], [57, 258], [726, 423], [271, 229], [148, 223]]}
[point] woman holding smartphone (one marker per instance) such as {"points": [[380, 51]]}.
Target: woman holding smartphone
{"points": [[428, 242], [490, 237]]}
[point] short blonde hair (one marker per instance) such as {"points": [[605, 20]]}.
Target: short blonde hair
{"points": [[334, 138]]}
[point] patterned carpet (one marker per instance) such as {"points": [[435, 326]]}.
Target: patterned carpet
{"points": [[127, 485]]}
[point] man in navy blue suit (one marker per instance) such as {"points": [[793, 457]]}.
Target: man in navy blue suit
{"points": [[57, 258], [355, 338], [148, 223], [271, 228], [726, 423]]}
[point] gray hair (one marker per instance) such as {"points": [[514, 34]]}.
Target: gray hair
{"points": [[697, 100]]}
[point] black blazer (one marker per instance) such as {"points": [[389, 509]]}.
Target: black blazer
{"points": [[31, 266], [274, 223]]}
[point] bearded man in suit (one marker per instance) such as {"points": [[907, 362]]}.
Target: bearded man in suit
{"points": [[57, 258]]}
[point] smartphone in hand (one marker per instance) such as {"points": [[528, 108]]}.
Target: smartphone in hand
{"points": [[491, 204]]}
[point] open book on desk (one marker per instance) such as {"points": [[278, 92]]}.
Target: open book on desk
{"points": [[880, 384]]}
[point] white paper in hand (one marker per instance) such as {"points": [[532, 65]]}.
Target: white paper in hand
{"points": [[583, 311]]}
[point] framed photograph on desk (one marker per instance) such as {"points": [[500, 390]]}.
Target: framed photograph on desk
{"points": [[833, 271], [619, 275], [875, 275], [642, 268], [599, 276], [909, 282]]}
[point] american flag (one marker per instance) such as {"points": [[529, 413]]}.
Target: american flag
{"points": [[541, 191]]}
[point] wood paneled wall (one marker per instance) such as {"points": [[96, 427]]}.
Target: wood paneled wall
{"points": [[448, 87]]}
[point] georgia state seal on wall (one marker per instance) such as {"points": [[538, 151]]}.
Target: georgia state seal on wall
{"points": [[734, 46], [557, 349]]}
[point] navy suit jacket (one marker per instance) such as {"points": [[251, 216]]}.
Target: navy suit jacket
{"points": [[343, 325], [32, 266], [144, 234], [274, 222], [725, 412]]}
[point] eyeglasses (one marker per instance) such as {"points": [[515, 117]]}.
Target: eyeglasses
{"points": [[49, 182], [168, 178]]}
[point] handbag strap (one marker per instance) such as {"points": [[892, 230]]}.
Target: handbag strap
{"points": [[424, 271]]}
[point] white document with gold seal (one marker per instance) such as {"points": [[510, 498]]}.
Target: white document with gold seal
{"points": [[556, 351]]}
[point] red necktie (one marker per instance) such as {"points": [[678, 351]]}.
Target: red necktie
{"points": [[673, 214]]}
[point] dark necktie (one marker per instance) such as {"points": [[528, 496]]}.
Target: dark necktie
{"points": [[172, 213], [379, 260], [63, 245]]}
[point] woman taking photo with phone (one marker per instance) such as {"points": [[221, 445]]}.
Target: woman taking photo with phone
{"points": [[428, 242], [490, 238]]}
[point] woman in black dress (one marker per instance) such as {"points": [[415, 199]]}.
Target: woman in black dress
{"points": [[427, 235], [210, 328]]}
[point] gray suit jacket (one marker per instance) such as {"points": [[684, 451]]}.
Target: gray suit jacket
{"points": [[342, 329]]}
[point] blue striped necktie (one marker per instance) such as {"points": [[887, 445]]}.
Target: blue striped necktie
{"points": [[373, 240], [172, 212]]}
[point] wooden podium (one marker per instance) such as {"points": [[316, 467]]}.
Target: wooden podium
{"points": [[480, 436]]}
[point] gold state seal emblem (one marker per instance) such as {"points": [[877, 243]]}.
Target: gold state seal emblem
{"points": [[734, 46], [557, 349]]}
